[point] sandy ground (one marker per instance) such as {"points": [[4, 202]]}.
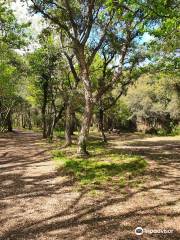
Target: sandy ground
{"points": [[37, 203]]}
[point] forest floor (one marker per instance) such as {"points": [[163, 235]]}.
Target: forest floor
{"points": [[38, 203]]}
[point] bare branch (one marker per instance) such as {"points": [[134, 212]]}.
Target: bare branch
{"points": [[96, 49], [89, 23]]}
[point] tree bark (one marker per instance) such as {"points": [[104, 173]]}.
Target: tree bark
{"points": [[53, 121], [87, 116], [9, 122], [68, 125], [29, 120], [101, 124], [23, 121], [43, 110], [73, 122], [50, 130]]}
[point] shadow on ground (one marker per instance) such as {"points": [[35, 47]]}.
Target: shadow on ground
{"points": [[37, 203]]}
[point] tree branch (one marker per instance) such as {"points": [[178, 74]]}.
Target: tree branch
{"points": [[70, 60], [54, 19], [96, 49], [71, 18], [89, 23]]}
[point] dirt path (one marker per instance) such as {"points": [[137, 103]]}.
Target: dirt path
{"points": [[37, 204]]}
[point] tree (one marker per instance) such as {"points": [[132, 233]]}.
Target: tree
{"points": [[12, 33], [12, 71], [12, 36], [48, 82], [78, 23], [151, 99]]}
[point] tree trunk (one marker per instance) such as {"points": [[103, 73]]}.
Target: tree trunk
{"points": [[68, 126], [43, 110], [87, 116], [50, 130], [101, 124], [29, 120], [9, 122], [44, 123], [73, 122], [23, 121]]}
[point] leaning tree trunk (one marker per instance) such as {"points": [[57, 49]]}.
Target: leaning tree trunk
{"points": [[87, 116], [68, 125], [54, 120]]}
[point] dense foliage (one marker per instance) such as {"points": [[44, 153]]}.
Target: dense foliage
{"points": [[93, 67]]}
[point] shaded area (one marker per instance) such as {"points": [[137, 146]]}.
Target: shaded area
{"points": [[97, 172], [37, 203]]}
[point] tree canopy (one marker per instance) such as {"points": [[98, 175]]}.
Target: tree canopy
{"points": [[89, 55]]}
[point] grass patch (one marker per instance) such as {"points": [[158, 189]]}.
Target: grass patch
{"points": [[103, 167], [59, 134]]}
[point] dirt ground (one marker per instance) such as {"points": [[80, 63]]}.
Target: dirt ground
{"points": [[36, 203]]}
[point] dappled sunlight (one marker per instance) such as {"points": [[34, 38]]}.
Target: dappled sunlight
{"points": [[40, 202], [89, 120]]}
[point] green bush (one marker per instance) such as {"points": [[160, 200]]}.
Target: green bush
{"points": [[176, 130], [162, 132]]}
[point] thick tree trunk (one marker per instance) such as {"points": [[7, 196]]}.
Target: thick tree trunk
{"points": [[68, 125], [82, 150], [87, 116], [9, 122]]}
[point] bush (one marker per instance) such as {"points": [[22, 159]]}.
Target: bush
{"points": [[162, 132], [176, 130]]}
